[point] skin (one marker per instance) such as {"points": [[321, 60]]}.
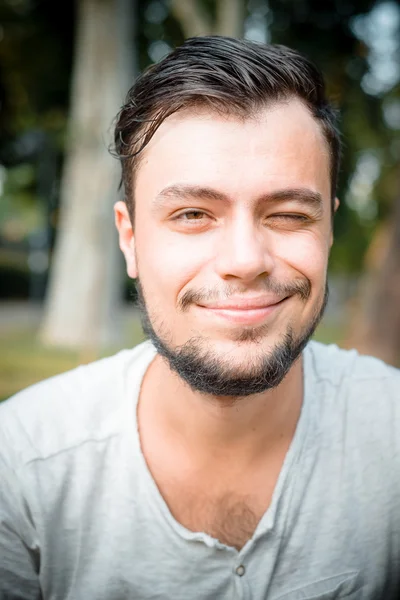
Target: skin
{"points": [[225, 248]]}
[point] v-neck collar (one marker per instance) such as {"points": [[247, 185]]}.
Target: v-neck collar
{"points": [[268, 521]]}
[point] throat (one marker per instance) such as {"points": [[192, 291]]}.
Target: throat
{"points": [[216, 427]]}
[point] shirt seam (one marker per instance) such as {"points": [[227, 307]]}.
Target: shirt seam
{"points": [[70, 448]]}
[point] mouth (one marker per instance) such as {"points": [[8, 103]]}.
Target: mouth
{"points": [[243, 315]]}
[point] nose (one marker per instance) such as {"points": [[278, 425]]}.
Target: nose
{"points": [[244, 251]]}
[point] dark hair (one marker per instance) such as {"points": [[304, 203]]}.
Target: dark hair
{"points": [[226, 75]]}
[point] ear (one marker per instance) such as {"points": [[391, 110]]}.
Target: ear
{"points": [[126, 237], [335, 207]]}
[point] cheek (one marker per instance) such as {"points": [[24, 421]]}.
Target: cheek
{"points": [[169, 263], [306, 253]]}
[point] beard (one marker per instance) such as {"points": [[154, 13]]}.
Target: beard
{"points": [[208, 373]]}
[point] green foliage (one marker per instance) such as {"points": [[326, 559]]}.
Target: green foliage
{"points": [[35, 65], [19, 213]]}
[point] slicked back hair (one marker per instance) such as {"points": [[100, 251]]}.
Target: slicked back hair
{"points": [[229, 76]]}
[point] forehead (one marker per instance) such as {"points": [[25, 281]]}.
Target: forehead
{"points": [[279, 146]]}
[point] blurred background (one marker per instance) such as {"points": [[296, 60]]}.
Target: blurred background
{"points": [[65, 68]]}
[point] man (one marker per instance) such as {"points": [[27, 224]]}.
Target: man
{"points": [[228, 456]]}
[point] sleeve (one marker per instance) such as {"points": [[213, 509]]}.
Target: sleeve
{"points": [[19, 549]]}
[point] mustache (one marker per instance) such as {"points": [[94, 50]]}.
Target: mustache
{"points": [[300, 287]]}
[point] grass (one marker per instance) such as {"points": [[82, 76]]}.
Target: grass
{"points": [[24, 360]]}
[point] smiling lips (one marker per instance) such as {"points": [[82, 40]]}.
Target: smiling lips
{"points": [[244, 311]]}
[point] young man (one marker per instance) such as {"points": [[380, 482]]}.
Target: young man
{"points": [[228, 456]]}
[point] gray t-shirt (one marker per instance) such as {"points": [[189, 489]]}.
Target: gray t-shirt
{"points": [[82, 518]]}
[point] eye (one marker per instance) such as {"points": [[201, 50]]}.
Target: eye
{"points": [[191, 220], [191, 215], [289, 218]]}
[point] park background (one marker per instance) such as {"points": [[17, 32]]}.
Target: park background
{"points": [[65, 68]]}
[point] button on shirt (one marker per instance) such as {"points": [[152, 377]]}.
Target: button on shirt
{"points": [[82, 518], [240, 570]]}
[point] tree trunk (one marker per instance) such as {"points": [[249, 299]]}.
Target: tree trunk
{"points": [[376, 326], [230, 18], [86, 273], [195, 20]]}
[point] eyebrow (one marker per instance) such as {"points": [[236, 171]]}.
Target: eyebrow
{"points": [[195, 192], [185, 192]]}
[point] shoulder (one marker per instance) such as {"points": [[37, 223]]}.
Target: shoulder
{"points": [[358, 398], [348, 368], [63, 411], [354, 433]]}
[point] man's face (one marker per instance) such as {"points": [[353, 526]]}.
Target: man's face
{"points": [[231, 242]]}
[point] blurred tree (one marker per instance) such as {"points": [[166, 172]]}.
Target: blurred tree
{"points": [[35, 62], [375, 311], [196, 18], [35, 65], [375, 326], [86, 275]]}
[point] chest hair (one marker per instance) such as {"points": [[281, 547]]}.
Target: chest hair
{"points": [[229, 518]]}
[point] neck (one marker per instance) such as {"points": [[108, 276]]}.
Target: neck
{"points": [[218, 427]]}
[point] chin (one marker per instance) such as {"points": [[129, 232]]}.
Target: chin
{"points": [[240, 355], [257, 339]]}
